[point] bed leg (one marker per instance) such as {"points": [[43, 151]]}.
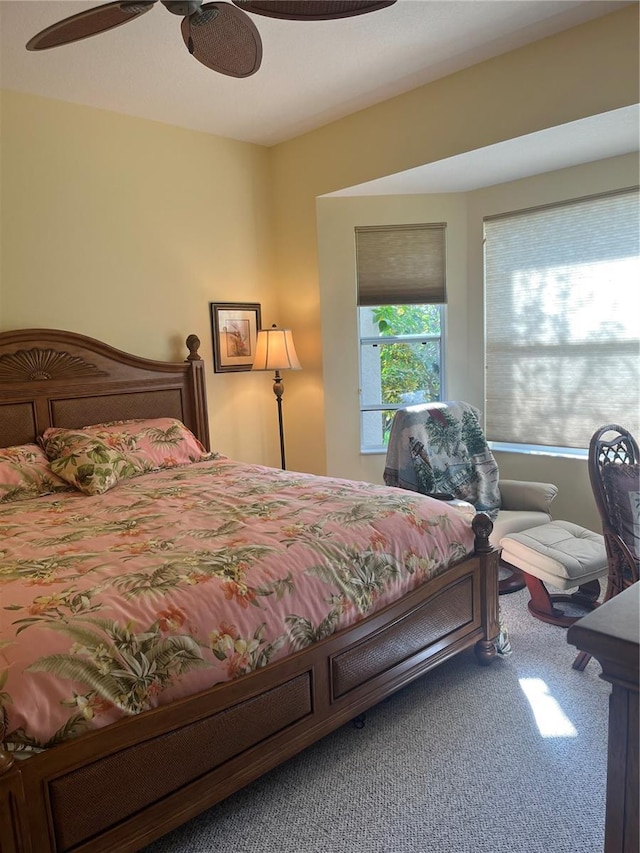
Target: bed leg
{"points": [[359, 721], [485, 652], [14, 837]]}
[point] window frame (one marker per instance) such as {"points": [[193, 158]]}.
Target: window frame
{"points": [[398, 265], [381, 340]]}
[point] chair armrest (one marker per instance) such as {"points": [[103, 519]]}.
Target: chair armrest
{"points": [[523, 495]]}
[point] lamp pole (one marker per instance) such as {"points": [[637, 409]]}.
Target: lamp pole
{"points": [[278, 390]]}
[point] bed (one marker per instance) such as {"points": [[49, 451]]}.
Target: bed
{"points": [[234, 697]]}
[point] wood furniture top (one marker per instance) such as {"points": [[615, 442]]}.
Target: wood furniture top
{"points": [[611, 633]]}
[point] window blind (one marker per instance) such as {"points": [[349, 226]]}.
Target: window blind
{"points": [[401, 264], [562, 321]]}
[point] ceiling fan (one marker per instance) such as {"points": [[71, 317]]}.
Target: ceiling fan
{"points": [[219, 35]]}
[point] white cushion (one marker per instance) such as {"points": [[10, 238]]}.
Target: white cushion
{"points": [[515, 521], [560, 553], [526, 495]]}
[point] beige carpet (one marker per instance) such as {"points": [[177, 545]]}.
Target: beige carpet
{"points": [[505, 759]]}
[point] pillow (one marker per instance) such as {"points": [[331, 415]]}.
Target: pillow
{"points": [[622, 487], [148, 444], [86, 462], [25, 473], [154, 442]]}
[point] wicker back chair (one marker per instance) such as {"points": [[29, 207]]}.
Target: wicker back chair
{"points": [[614, 472]]}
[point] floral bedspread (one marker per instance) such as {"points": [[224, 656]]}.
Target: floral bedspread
{"points": [[180, 579]]}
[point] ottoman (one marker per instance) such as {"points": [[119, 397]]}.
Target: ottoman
{"points": [[563, 555]]}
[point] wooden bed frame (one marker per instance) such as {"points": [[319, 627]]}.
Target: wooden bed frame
{"points": [[118, 788]]}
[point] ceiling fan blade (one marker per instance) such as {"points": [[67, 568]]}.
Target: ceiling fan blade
{"points": [[224, 39], [88, 23], [312, 10]]}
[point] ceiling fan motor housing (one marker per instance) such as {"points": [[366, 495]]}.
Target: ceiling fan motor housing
{"points": [[182, 7]]}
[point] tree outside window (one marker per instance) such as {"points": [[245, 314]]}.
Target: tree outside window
{"points": [[400, 364]]}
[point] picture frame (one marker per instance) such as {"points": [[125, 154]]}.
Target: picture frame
{"points": [[234, 327]]}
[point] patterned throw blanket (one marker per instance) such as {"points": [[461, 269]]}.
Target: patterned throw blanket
{"points": [[440, 448]]}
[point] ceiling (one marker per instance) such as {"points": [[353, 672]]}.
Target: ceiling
{"points": [[312, 72]]}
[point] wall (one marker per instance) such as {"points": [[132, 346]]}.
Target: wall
{"points": [[464, 347], [125, 229], [583, 71]]}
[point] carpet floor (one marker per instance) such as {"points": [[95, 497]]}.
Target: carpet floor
{"points": [[509, 758]]}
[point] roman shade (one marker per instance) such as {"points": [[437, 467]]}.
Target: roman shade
{"points": [[401, 264], [562, 321]]}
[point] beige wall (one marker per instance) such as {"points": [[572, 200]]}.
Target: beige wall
{"points": [[464, 341], [584, 71], [125, 229]]}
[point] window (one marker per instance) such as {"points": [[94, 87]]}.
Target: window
{"points": [[401, 294], [562, 321]]}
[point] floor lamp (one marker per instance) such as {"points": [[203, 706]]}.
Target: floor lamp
{"points": [[275, 351]]}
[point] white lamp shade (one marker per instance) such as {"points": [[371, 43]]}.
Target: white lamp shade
{"points": [[275, 351]]}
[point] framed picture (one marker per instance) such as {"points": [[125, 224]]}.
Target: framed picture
{"points": [[234, 326]]}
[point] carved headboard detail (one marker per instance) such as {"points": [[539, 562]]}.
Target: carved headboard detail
{"points": [[51, 377], [38, 364]]}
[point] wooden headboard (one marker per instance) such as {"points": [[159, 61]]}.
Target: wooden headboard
{"points": [[56, 378]]}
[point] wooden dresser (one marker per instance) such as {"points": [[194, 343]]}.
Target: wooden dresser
{"points": [[611, 634]]}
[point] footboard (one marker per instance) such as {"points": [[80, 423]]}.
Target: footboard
{"points": [[119, 788]]}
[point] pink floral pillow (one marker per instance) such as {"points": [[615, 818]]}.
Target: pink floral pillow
{"points": [[25, 473], [148, 444]]}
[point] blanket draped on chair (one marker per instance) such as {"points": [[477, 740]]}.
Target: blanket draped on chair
{"points": [[440, 447]]}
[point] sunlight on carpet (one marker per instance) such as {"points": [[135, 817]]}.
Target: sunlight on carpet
{"points": [[550, 718]]}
